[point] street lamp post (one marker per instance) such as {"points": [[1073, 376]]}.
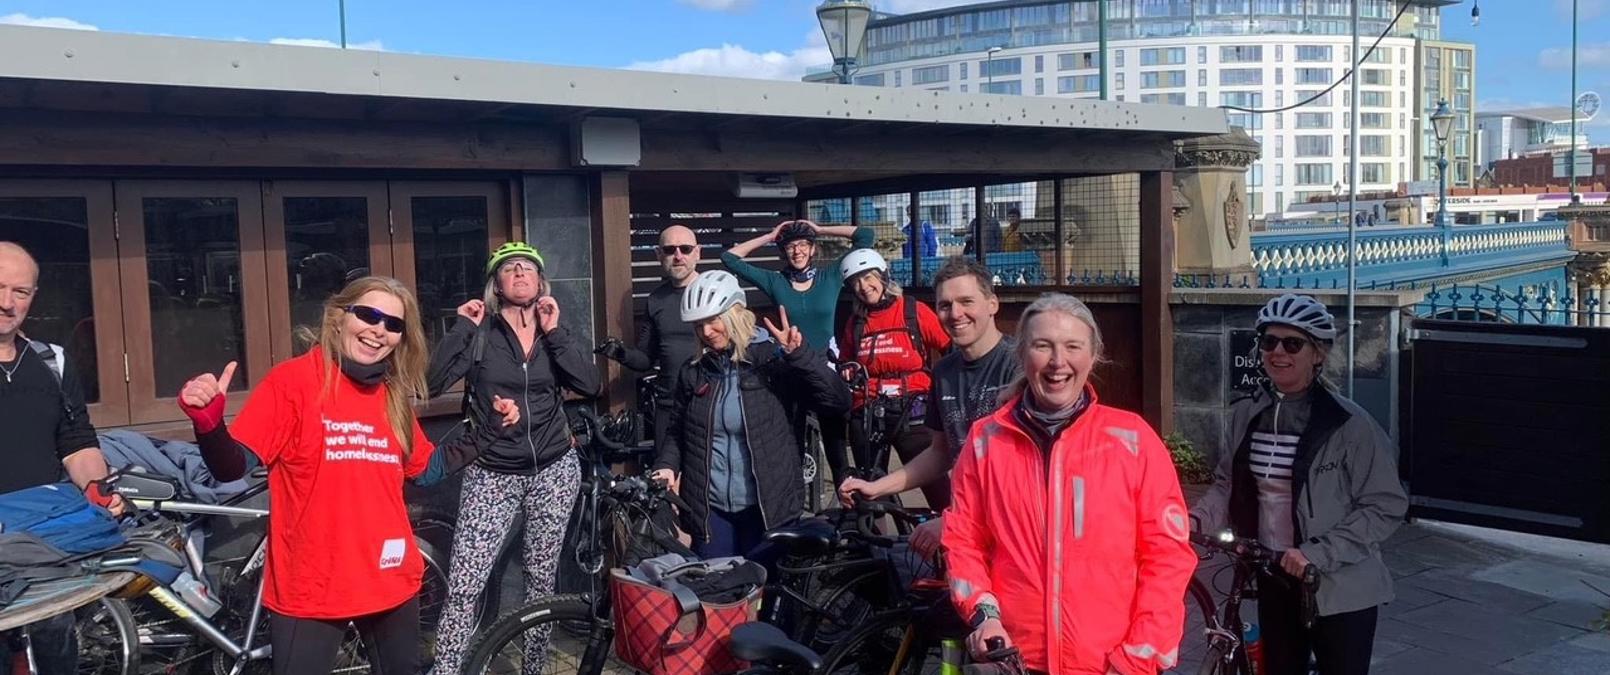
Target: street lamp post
{"points": [[989, 69], [1441, 122], [1570, 152], [1336, 196], [844, 24]]}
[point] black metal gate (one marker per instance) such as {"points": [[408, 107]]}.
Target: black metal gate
{"points": [[1508, 426]]}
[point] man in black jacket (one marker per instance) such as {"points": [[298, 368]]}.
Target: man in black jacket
{"points": [[664, 341], [47, 431]]}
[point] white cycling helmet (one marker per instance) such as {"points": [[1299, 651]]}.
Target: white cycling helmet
{"points": [[861, 260], [1302, 312], [711, 293]]}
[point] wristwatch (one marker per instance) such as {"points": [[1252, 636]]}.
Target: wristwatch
{"points": [[984, 612]]}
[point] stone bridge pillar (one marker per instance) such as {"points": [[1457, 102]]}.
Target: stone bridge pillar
{"points": [[1590, 270], [1213, 235]]}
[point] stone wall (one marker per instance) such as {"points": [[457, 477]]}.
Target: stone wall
{"points": [[1205, 325]]}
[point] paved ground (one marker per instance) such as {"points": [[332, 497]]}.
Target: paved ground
{"points": [[1478, 602]]}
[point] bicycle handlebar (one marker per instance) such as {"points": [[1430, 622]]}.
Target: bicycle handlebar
{"points": [[1252, 552], [595, 429]]}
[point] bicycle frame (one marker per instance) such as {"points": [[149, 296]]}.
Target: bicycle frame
{"points": [[242, 652]]}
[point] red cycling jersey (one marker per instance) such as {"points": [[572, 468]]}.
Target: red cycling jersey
{"points": [[1083, 550], [893, 363]]}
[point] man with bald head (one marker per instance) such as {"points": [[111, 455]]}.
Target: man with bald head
{"points": [[47, 432], [663, 339]]}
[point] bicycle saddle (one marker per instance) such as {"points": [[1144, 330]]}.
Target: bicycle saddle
{"points": [[135, 484], [765, 643], [808, 538]]}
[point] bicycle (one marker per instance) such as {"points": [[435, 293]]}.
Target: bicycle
{"points": [[231, 623], [574, 633], [1252, 563]]}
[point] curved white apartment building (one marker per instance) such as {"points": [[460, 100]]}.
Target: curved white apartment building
{"points": [[1258, 54]]}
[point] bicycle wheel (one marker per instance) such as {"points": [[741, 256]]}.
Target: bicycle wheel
{"points": [[876, 646], [353, 657], [815, 465], [108, 639], [547, 636]]}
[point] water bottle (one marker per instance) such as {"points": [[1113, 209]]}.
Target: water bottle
{"points": [[951, 654], [1250, 636], [196, 594]]}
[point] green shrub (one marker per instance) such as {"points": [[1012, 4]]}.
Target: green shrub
{"points": [[1192, 466]]}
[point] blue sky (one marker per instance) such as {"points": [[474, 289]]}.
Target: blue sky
{"points": [[1522, 54]]}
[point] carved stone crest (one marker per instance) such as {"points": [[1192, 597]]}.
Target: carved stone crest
{"points": [[1234, 213]]}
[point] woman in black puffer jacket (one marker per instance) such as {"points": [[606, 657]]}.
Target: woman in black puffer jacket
{"points": [[733, 452]]}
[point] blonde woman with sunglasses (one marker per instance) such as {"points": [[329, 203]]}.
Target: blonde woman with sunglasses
{"points": [[336, 429]]}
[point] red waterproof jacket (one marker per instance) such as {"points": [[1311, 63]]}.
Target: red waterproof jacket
{"points": [[1085, 549]]}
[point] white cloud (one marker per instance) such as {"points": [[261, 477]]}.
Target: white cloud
{"points": [[736, 61], [1591, 55], [371, 45], [1586, 10], [45, 22], [717, 5]]}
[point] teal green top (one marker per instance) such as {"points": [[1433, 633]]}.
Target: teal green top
{"points": [[812, 309]]}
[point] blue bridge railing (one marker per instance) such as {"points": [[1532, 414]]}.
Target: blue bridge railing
{"points": [[1404, 254]]}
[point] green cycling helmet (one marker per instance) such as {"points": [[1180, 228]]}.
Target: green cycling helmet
{"points": [[513, 249]]}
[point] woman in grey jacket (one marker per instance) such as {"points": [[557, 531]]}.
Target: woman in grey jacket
{"points": [[1314, 476]]}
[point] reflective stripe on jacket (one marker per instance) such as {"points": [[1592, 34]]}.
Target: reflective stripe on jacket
{"points": [[1085, 551]]}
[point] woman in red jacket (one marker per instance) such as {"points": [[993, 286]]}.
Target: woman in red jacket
{"points": [[337, 431], [1067, 535], [890, 336]]}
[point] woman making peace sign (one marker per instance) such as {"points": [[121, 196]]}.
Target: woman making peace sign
{"points": [[336, 429], [732, 452]]}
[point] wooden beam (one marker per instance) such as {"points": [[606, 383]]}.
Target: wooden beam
{"points": [[1156, 287], [55, 138], [612, 274], [977, 152], [88, 139]]}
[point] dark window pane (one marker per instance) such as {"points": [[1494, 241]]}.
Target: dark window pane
{"points": [[55, 230], [449, 256], [326, 245], [192, 253]]}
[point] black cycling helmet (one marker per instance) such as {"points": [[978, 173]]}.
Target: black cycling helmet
{"points": [[795, 230]]}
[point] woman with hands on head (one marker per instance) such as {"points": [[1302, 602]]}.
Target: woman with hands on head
{"points": [[511, 342], [336, 429], [733, 454], [809, 290]]}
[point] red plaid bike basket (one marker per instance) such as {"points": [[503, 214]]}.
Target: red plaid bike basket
{"points": [[671, 632]]}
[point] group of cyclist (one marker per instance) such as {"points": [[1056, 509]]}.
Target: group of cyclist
{"points": [[1063, 520]]}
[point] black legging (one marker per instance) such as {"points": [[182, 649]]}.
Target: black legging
{"points": [[833, 445], [1341, 643], [390, 639]]}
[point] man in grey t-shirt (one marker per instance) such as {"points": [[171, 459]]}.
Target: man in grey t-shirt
{"points": [[966, 386]]}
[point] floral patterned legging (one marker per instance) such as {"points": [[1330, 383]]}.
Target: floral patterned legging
{"points": [[487, 508]]}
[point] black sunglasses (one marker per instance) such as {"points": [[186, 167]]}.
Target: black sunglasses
{"points": [[673, 249], [1292, 345], [372, 316]]}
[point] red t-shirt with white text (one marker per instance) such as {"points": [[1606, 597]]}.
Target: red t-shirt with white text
{"points": [[340, 544], [893, 363]]}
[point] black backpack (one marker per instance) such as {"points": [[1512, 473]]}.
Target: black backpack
{"points": [[851, 351]]}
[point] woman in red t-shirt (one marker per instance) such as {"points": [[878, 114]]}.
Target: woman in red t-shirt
{"points": [[890, 336], [337, 446]]}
